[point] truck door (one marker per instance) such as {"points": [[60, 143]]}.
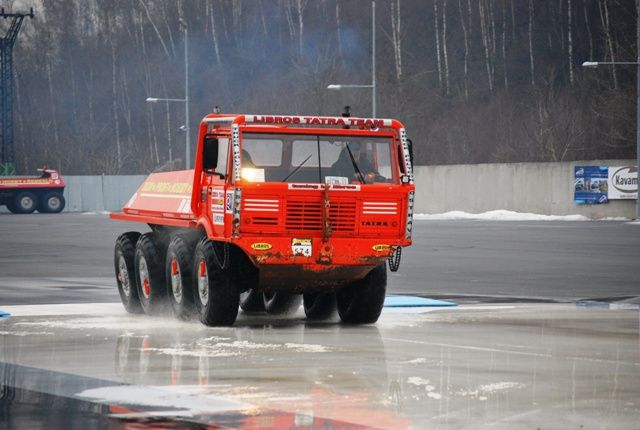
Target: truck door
{"points": [[216, 180]]}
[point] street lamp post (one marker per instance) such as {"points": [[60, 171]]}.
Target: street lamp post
{"points": [[185, 100], [637, 64], [156, 100], [373, 65], [594, 64], [187, 160]]}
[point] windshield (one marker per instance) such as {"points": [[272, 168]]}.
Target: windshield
{"points": [[317, 158]]}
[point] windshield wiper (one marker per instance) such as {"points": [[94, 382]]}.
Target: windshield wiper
{"points": [[355, 165], [297, 168]]}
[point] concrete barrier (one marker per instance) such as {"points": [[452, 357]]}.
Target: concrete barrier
{"points": [[99, 193], [541, 188]]}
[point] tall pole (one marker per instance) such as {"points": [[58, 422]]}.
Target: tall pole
{"points": [[373, 58], [638, 108], [187, 158]]}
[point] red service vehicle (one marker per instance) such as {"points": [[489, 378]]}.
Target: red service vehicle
{"points": [[25, 194], [278, 210]]}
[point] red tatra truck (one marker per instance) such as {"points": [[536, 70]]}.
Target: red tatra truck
{"points": [[25, 194], [277, 210]]}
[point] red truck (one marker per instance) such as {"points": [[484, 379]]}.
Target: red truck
{"points": [[277, 210], [25, 194]]}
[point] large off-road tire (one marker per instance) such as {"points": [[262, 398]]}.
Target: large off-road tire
{"points": [[52, 203], [25, 202], [123, 259], [178, 273], [361, 302], [251, 301], [319, 306], [281, 303], [149, 270], [216, 297], [12, 207]]}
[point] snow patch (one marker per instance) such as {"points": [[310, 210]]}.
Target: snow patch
{"points": [[102, 322], [499, 215], [416, 361], [25, 333], [303, 347], [418, 381], [193, 353], [481, 392], [236, 348], [65, 309], [149, 396]]}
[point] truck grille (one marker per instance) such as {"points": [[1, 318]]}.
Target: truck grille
{"points": [[306, 215]]}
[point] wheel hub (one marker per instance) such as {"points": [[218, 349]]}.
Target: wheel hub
{"points": [[54, 203], [123, 276], [26, 202], [203, 283], [176, 281], [144, 278]]}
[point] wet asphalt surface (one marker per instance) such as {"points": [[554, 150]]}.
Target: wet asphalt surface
{"points": [[524, 350], [68, 258]]}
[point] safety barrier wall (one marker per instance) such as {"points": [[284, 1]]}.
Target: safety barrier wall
{"points": [[99, 193], [540, 188]]}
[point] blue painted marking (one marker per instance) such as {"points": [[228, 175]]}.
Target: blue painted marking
{"points": [[4, 314], [414, 302]]}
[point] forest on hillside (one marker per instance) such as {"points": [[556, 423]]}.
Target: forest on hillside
{"points": [[474, 80]]}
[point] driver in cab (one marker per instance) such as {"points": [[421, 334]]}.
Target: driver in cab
{"points": [[352, 162]]}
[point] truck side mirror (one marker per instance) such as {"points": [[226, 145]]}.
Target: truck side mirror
{"points": [[410, 143], [210, 153]]}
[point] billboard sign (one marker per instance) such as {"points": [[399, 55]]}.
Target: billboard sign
{"points": [[623, 182], [590, 184]]}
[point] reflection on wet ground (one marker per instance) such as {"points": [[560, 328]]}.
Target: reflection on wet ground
{"points": [[499, 366]]}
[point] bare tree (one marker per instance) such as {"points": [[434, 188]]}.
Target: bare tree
{"points": [[396, 36], [466, 51], [531, 63], [437, 30]]}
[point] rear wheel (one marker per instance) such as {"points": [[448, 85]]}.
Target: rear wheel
{"points": [[26, 202], [52, 203], [178, 272], [251, 301], [149, 270], [319, 306], [124, 256], [361, 302], [216, 297], [281, 303], [12, 207]]}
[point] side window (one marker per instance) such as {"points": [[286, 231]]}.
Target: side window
{"points": [[223, 155], [383, 158]]}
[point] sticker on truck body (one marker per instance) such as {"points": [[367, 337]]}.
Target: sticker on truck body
{"points": [[301, 247]]}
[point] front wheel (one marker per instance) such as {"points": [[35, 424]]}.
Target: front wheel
{"points": [[216, 297], [361, 302], [25, 202]]}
